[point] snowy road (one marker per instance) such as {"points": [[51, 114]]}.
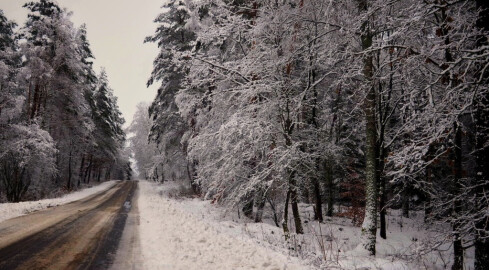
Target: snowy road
{"points": [[130, 225], [83, 234]]}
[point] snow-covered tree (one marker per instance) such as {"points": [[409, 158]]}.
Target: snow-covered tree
{"points": [[9, 64], [48, 87], [109, 136], [145, 151], [27, 154], [175, 38], [289, 99]]}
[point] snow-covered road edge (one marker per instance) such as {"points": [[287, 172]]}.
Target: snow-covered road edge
{"points": [[11, 210], [174, 238]]}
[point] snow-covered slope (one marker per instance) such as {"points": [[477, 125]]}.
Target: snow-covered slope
{"points": [[11, 210], [174, 238]]}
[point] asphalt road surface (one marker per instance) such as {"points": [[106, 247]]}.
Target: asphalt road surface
{"points": [[85, 234]]}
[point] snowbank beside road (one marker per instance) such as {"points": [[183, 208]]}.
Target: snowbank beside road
{"points": [[11, 210], [174, 238]]}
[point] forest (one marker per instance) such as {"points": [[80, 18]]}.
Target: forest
{"points": [[60, 126], [363, 105], [356, 108]]}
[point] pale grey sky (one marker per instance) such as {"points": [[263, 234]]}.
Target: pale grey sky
{"points": [[116, 31]]}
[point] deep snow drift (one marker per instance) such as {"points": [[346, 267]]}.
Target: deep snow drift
{"points": [[11, 210]]}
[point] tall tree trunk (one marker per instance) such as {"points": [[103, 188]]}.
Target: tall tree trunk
{"points": [[381, 177], [99, 173], [292, 185], [458, 252], [88, 170], [285, 220], [330, 187], [295, 207], [80, 172], [318, 209], [28, 104], [108, 170], [482, 181], [248, 206], [194, 185], [382, 208], [35, 101], [481, 260], [369, 226], [68, 184], [274, 211], [405, 200], [384, 118], [259, 203]]}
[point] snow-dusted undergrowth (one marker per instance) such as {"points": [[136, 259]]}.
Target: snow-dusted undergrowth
{"points": [[173, 237], [11, 210], [189, 233]]}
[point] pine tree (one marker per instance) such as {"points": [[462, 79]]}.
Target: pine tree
{"points": [[109, 135], [9, 63], [175, 40]]}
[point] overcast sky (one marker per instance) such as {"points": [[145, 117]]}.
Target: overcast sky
{"points": [[116, 31]]}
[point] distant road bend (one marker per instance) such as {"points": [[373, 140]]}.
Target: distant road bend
{"points": [[84, 234]]}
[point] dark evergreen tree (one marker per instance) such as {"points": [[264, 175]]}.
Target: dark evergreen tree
{"points": [[175, 41], [108, 134]]}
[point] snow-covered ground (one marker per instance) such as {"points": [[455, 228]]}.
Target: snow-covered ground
{"points": [[189, 233], [11, 210], [173, 237], [186, 233]]}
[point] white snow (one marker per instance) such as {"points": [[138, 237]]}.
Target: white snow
{"points": [[175, 237], [186, 233], [11, 210]]}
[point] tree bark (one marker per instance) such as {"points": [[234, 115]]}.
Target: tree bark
{"points": [[330, 186], [193, 184], [295, 209], [80, 172], [382, 208], [405, 201], [292, 185], [68, 184], [286, 217], [458, 252], [99, 173], [481, 260], [369, 226], [274, 211], [318, 209], [248, 207], [259, 203], [35, 101]]}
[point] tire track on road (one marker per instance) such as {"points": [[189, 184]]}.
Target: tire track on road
{"points": [[86, 238]]}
